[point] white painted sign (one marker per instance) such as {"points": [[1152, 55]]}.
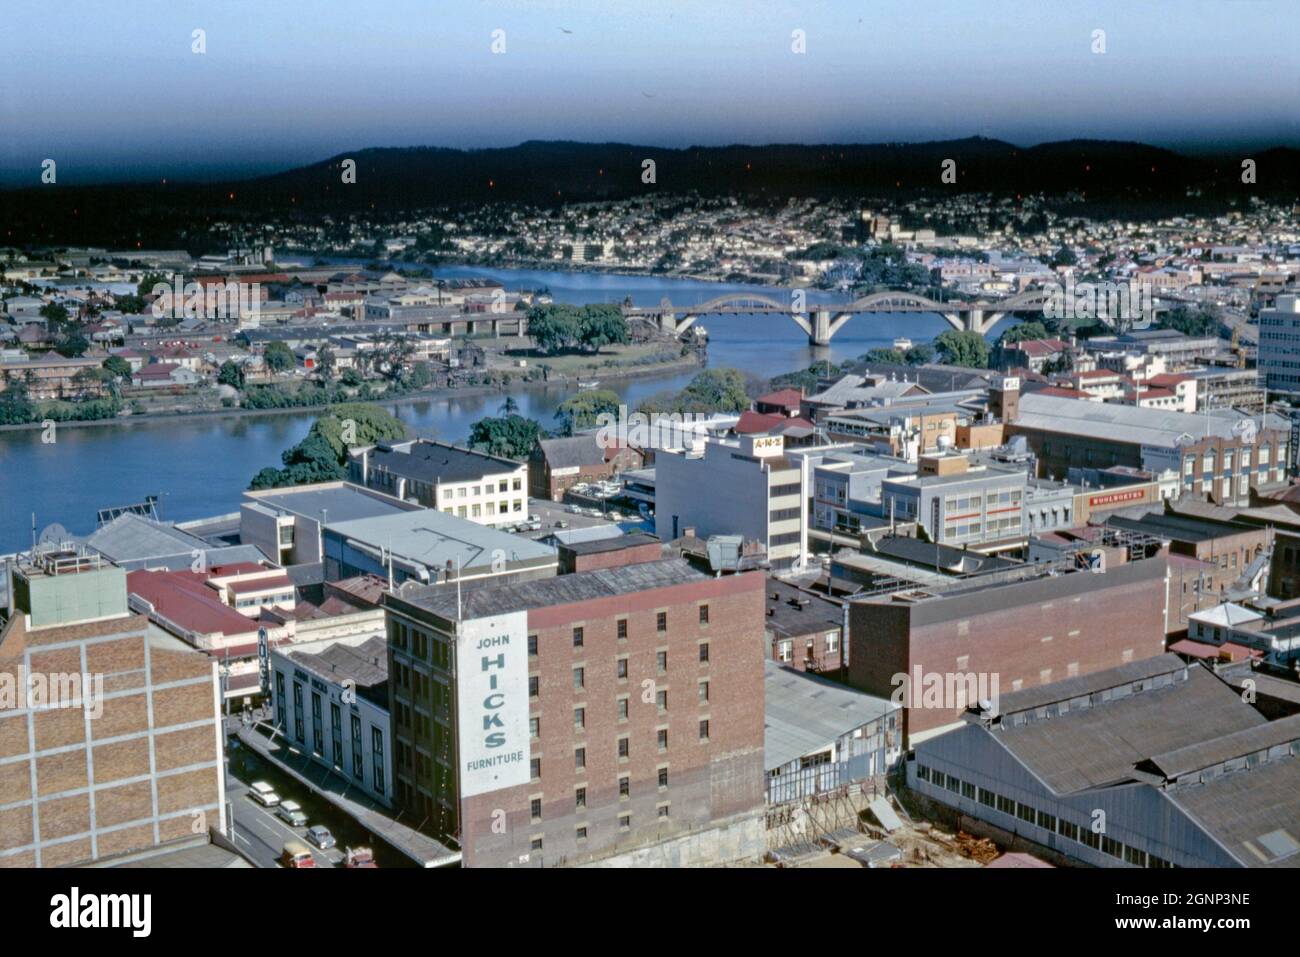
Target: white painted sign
{"points": [[566, 470], [492, 677]]}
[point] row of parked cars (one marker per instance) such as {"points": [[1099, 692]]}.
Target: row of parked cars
{"points": [[295, 853]]}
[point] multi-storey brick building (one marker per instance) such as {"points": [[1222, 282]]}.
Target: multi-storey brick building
{"points": [[576, 718], [126, 755], [1043, 625]]}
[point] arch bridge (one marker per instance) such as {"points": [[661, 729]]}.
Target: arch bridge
{"points": [[821, 320]]}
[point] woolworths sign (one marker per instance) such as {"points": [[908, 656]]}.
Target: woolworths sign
{"points": [[492, 685]]}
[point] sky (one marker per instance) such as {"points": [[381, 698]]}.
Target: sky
{"points": [[114, 90]]}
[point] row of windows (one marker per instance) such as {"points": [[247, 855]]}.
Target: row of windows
{"points": [[580, 833], [580, 794], [504, 485], [490, 508], [1079, 833], [661, 626], [580, 754]]}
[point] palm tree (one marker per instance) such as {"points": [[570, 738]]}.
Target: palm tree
{"points": [[509, 407]]}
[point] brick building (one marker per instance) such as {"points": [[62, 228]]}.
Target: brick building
{"points": [[1040, 627], [558, 464], [575, 718], [805, 630], [131, 758]]}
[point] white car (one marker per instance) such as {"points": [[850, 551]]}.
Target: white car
{"points": [[291, 813], [263, 794]]}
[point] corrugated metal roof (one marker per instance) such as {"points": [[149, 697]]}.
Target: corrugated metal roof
{"points": [[804, 713]]}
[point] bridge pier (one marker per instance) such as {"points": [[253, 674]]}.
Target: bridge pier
{"points": [[820, 333]]}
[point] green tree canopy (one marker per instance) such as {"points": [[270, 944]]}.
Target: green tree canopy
{"points": [[877, 356], [963, 349], [713, 390], [1024, 330], [511, 436], [278, 356], [581, 411]]}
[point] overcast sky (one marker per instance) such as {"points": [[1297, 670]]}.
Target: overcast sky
{"points": [[114, 89]]}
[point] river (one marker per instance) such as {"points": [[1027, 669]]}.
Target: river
{"points": [[200, 466]]}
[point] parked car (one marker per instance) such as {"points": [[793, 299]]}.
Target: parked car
{"points": [[296, 854], [291, 813], [263, 794], [359, 857], [320, 836]]}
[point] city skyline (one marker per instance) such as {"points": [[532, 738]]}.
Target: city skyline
{"points": [[269, 92]]}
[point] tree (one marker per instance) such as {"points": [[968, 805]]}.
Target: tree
{"points": [[326, 363], [512, 436], [509, 407], [351, 377], [1190, 321], [231, 373], [118, 367], [130, 304], [56, 316], [713, 390], [582, 411], [553, 327], [963, 349], [72, 345], [1022, 331], [601, 325], [1064, 257], [919, 354], [149, 281], [278, 356], [322, 456], [877, 356]]}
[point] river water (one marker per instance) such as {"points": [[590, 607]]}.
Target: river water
{"points": [[200, 466]]}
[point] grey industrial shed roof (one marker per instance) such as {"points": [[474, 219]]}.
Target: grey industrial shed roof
{"points": [[366, 664], [1101, 745], [133, 541], [803, 713], [489, 598], [1204, 754], [1121, 423], [1254, 813]]}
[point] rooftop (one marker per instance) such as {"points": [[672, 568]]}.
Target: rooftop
{"points": [[331, 501], [438, 462], [432, 539], [1123, 423], [804, 713]]}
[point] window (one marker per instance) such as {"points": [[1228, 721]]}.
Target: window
{"points": [[336, 734], [704, 729], [621, 667], [624, 786], [532, 646], [535, 768], [661, 621], [661, 661], [832, 642], [533, 685], [577, 637], [580, 798], [377, 758], [536, 844], [579, 718], [661, 701], [579, 678], [704, 651], [704, 692], [785, 650], [580, 759], [622, 629], [623, 748], [1067, 829], [625, 822], [317, 731], [535, 809], [358, 769], [534, 727], [297, 713], [582, 833], [663, 777], [1046, 821], [663, 810], [704, 614], [622, 709], [986, 797], [663, 739], [279, 699]]}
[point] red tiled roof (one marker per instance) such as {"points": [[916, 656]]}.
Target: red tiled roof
{"points": [[786, 397], [1201, 649], [755, 423]]}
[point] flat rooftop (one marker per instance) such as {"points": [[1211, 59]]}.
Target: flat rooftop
{"points": [[438, 462], [434, 538], [489, 598], [333, 502]]}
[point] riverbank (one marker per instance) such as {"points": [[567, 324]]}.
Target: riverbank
{"points": [[665, 369]]}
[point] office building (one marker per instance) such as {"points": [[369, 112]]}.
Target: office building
{"points": [[1279, 345], [114, 744], [604, 715], [487, 489], [746, 487]]}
